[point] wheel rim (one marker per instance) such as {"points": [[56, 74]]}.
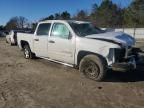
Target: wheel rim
{"points": [[26, 52], [91, 69]]}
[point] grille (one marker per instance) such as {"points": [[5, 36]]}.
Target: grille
{"points": [[119, 54]]}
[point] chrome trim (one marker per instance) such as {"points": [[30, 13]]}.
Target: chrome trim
{"points": [[66, 64]]}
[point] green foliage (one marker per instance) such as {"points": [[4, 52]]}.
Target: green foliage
{"points": [[82, 15], [65, 15], [107, 14], [136, 11], [58, 16]]}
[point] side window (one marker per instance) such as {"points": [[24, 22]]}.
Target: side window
{"points": [[43, 29], [60, 30]]}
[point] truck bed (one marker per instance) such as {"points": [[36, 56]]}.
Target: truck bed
{"points": [[28, 37]]}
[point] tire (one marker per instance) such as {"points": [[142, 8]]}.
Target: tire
{"points": [[93, 67], [11, 44], [6, 41], [27, 52]]}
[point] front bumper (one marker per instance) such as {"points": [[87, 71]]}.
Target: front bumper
{"points": [[128, 65]]}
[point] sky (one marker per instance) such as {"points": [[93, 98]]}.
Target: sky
{"points": [[37, 9]]}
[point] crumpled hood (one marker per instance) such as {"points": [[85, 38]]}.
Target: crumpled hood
{"points": [[117, 37]]}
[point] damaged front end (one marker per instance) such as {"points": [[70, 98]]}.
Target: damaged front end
{"points": [[124, 59]]}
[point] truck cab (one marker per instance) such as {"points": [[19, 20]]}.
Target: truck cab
{"points": [[54, 40]]}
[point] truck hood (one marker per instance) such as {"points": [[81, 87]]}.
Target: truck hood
{"points": [[114, 37]]}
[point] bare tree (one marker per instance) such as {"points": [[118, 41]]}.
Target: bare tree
{"points": [[12, 23], [22, 22], [17, 23]]}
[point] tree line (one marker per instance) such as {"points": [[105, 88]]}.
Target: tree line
{"points": [[107, 14]]}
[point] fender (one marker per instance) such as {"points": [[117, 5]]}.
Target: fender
{"points": [[83, 53]]}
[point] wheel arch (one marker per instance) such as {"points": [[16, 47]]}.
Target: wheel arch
{"points": [[23, 43], [82, 54]]}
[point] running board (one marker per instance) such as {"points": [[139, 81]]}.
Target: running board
{"points": [[66, 64]]}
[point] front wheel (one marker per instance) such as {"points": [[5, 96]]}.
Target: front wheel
{"points": [[27, 52], [93, 67]]}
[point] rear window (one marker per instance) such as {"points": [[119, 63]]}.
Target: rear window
{"points": [[43, 29]]}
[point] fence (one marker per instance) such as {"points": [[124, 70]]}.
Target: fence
{"points": [[137, 33]]}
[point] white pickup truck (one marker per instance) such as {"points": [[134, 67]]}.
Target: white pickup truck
{"points": [[80, 44]]}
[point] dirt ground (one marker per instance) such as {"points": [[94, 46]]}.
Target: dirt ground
{"points": [[43, 84]]}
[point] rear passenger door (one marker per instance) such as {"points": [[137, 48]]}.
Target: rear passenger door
{"points": [[41, 40]]}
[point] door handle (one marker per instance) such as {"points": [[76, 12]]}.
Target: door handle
{"points": [[51, 41], [36, 39]]}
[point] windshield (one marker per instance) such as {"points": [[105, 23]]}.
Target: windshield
{"points": [[85, 29]]}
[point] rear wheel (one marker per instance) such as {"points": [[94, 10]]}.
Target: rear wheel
{"points": [[11, 43], [93, 67], [27, 52], [6, 41]]}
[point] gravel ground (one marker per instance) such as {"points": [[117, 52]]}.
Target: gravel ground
{"points": [[42, 84]]}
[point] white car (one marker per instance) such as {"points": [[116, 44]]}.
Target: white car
{"points": [[11, 38], [80, 44]]}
